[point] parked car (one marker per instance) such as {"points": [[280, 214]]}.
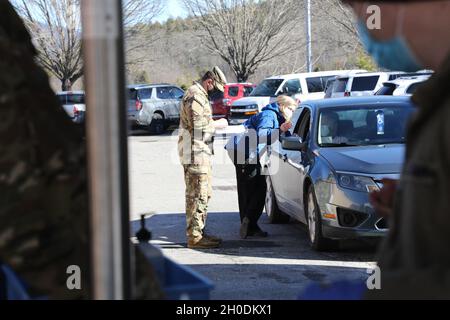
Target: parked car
{"points": [[221, 103], [73, 102], [302, 87], [404, 86], [339, 150], [365, 84], [154, 106]]}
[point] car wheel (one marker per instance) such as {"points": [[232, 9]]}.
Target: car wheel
{"points": [[273, 212], [318, 242], [158, 125]]}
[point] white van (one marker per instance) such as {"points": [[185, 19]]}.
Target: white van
{"points": [[366, 84], [302, 87]]}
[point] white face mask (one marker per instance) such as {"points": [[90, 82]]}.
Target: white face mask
{"points": [[287, 114]]}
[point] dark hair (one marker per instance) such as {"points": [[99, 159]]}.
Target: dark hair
{"points": [[208, 75]]}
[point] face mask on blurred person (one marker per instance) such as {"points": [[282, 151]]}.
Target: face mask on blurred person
{"points": [[394, 54]]}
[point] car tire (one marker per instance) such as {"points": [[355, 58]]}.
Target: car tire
{"points": [[317, 241], [276, 216], [158, 125]]}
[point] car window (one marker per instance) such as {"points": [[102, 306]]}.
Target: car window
{"points": [[365, 83], [132, 94], [339, 85], [303, 124], [62, 98], [317, 84], [412, 88], [292, 87], [163, 93], [75, 99], [216, 95], [362, 125], [397, 75], [176, 93], [386, 90], [248, 90], [267, 88], [233, 91], [145, 94]]}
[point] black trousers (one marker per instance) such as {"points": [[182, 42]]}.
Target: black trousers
{"points": [[251, 187]]}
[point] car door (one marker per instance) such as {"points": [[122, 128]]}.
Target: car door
{"points": [[293, 172], [277, 168]]}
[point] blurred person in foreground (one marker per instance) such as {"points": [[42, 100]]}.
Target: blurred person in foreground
{"points": [[251, 183], [414, 259]]}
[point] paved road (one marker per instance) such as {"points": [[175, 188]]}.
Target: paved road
{"points": [[278, 267]]}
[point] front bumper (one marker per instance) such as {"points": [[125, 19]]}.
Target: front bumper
{"points": [[332, 199]]}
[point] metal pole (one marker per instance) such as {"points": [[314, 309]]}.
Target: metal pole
{"points": [[107, 147], [308, 36]]}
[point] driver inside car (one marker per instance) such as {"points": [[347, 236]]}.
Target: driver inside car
{"points": [[329, 129]]}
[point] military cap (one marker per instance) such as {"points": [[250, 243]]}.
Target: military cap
{"points": [[219, 79]]}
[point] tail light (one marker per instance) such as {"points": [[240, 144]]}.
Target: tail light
{"points": [[347, 94], [138, 105], [75, 111]]}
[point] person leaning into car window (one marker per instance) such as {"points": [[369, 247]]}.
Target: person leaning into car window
{"points": [[251, 184]]}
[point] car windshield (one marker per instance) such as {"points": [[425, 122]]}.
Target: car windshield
{"points": [[361, 126], [267, 88]]}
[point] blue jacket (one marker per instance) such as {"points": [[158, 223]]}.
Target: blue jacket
{"points": [[264, 123]]}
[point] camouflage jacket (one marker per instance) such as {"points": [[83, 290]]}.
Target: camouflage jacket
{"points": [[196, 127], [43, 194]]}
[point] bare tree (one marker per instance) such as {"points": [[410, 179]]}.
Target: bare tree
{"points": [[246, 33], [56, 30]]}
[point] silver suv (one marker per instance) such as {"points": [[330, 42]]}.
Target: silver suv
{"points": [[154, 106]]}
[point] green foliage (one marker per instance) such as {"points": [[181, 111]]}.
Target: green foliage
{"points": [[364, 61]]}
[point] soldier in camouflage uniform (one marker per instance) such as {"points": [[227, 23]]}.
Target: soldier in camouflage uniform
{"points": [[195, 145], [44, 225]]}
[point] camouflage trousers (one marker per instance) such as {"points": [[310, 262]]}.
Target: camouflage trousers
{"points": [[198, 193]]}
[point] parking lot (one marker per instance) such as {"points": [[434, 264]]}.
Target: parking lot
{"points": [[278, 267]]}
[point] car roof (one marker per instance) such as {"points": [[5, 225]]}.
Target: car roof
{"points": [[311, 74], [355, 101], [70, 92], [146, 86], [408, 80], [240, 84]]}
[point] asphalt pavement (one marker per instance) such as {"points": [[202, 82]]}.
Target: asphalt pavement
{"points": [[278, 267]]}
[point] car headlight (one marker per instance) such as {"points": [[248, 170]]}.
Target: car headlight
{"points": [[252, 107], [357, 183]]}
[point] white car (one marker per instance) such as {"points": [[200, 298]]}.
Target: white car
{"points": [[365, 84], [404, 86], [302, 87], [73, 102]]}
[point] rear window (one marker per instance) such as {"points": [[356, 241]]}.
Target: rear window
{"points": [[412, 88], [317, 84], [145, 94], [62, 98], [248, 91], [233, 91], [365, 83], [386, 90], [132, 94], [340, 84]]}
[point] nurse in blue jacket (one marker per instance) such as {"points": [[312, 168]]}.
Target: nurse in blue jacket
{"points": [[273, 120]]}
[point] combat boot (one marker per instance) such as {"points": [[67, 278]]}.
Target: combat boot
{"points": [[212, 238], [202, 243]]}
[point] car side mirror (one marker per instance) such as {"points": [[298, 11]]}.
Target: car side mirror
{"points": [[293, 143]]}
